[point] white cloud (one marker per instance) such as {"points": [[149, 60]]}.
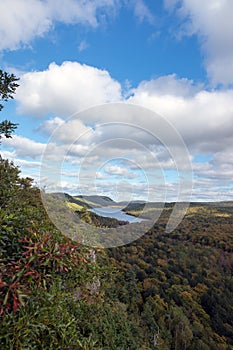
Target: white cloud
{"points": [[117, 149], [170, 85], [23, 20], [96, 136], [76, 11], [203, 118], [65, 89], [83, 46], [141, 11], [118, 170], [212, 22], [100, 176], [68, 132], [24, 147], [48, 126]]}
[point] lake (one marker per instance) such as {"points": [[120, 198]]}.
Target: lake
{"points": [[115, 213]]}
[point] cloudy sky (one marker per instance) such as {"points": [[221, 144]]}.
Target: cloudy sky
{"points": [[127, 98]]}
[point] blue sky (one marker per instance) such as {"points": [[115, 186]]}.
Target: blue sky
{"points": [[171, 57]]}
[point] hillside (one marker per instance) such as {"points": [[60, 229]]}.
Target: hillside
{"points": [[179, 286], [102, 201], [163, 291], [86, 201]]}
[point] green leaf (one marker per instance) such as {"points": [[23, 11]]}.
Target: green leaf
{"points": [[6, 298]]}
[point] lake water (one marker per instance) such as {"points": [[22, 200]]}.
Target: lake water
{"points": [[116, 213]]}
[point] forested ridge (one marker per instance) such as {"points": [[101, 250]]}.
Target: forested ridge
{"points": [[163, 291], [179, 285]]}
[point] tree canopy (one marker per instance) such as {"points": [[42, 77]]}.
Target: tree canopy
{"points": [[8, 86]]}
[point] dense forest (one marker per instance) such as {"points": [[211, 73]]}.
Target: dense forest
{"points": [[163, 291], [179, 286]]}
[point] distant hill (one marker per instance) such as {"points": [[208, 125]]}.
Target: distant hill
{"points": [[222, 204], [86, 201], [126, 203], [67, 197], [95, 201]]}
